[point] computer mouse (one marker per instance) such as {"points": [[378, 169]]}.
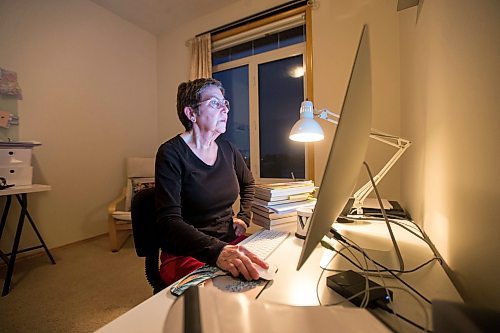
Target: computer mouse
{"points": [[266, 274]]}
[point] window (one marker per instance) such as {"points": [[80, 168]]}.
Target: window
{"points": [[264, 77], [280, 93], [260, 45]]}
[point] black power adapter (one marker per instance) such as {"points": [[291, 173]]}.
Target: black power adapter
{"points": [[350, 283]]}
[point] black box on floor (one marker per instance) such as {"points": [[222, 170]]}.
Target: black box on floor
{"points": [[350, 283]]}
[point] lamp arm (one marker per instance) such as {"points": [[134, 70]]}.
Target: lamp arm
{"points": [[324, 113], [394, 141], [391, 140]]}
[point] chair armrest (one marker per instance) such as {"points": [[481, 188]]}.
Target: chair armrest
{"points": [[114, 203]]}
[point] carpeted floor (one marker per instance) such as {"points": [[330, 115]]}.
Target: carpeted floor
{"points": [[88, 287]]}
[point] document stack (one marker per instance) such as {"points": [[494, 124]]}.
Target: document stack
{"points": [[277, 203]]}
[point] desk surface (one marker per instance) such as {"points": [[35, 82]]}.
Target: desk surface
{"points": [[25, 189], [301, 287]]}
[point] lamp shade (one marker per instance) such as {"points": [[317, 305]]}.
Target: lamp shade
{"points": [[306, 129]]}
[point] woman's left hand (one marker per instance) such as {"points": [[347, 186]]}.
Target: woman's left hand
{"points": [[239, 226]]}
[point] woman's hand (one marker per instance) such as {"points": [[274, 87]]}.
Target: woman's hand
{"points": [[239, 226], [237, 259]]}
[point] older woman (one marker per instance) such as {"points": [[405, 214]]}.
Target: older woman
{"points": [[198, 179]]}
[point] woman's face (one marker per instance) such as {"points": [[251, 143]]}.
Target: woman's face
{"points": [[213, 111]]}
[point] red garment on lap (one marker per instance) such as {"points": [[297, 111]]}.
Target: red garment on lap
{"points": [[174, 267]]}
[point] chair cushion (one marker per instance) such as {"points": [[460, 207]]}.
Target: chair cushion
{"points": [[122, 216], [134, 185]]}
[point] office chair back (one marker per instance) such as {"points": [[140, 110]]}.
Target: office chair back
{"points": [[143, 213]]}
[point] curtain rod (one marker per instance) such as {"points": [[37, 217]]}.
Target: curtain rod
{"points": [[258, 16]]}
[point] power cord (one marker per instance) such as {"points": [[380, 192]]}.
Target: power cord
{"points": [[359, 249], [385, 269], [383, 306], [341, 239], [393, 221]]}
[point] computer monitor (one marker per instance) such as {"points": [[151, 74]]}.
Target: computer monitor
{"points": [[347, 152]]}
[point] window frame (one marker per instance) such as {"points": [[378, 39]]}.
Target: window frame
{"points": [[253, 63], [308, 75]]}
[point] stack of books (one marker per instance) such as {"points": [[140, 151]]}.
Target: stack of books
{"points": [[277, 203]]}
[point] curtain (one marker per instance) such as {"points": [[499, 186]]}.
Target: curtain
{"points": [[201, 57]]}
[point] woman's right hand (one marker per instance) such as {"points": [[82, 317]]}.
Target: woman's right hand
{"points": [[237, 259]]}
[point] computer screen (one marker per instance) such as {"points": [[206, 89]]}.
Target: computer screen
{"points": [[347, 152]]}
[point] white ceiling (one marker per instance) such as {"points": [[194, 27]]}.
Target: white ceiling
{"points": [[157, 16]]}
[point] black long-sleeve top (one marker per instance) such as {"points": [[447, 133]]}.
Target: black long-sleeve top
{"points": [[194, 200]]}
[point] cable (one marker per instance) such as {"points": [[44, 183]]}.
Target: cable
{"points": [[325, 244], [385, 308], [389, 296], [423, 236], [383, 320], [385, 269], [379, 215], [366, 296], [364, 302], [399, 223], [355, 246], [393, 238], [354, 296], [319, 279], [321, 275]]}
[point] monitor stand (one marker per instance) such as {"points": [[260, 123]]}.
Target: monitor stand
{"points": [[372, 238], [373, 244]]}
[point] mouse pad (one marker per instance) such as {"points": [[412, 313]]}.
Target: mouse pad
{"points": [[213, 276], [230, 284]]}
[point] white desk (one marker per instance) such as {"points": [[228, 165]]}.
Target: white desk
{"points": [[21, 194], [299, 288]]}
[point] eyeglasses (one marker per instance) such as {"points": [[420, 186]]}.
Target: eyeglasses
{"points": [[215, 103]]}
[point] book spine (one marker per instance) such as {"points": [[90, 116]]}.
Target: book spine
{"points": [[266, 194], [263, 221], [271, 214]]}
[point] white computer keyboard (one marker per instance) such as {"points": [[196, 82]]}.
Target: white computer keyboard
{"points": [[264, 242]]}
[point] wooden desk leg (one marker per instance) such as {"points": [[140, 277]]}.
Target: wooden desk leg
{"points": [[2, 225], [25, 198], [15, 246]]}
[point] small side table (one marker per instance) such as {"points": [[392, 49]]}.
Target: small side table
{"points": [[21, 194]]}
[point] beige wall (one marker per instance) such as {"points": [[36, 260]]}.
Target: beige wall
{"points": [[450, 76], [89, 86], [337, 28]]}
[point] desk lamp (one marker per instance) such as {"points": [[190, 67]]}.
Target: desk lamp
{"points": [[307, 129]]}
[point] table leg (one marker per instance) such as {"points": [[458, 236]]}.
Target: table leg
{"points": [[2, 225], [4, 214], [25, 199], [15, 246]]}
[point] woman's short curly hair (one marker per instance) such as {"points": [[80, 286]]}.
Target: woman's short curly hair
{"points": [[189, 94]]}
